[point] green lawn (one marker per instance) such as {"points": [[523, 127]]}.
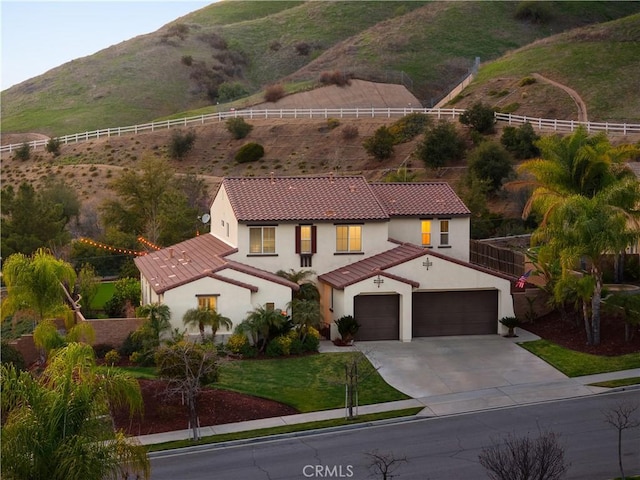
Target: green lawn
{"points": [[621, 382], [265, 432], [105, 292], [310, 383], [576, 364]]}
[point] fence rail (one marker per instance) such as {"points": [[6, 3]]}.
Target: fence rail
{"points": [[319, 113]]}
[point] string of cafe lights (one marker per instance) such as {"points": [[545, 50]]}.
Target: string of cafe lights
{"points": [[111, 248]]}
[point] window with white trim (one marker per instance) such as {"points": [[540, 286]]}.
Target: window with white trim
{"points": [[262, 240], [348, 238]]}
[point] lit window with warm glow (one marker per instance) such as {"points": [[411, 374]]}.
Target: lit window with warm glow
{"points": [[206, 302], [348, 238], [262, 240], [426, 233]]}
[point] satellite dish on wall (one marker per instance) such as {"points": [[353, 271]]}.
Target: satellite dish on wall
{"points": [[205, 218]]}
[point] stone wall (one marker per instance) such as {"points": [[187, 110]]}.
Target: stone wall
{"points": [[111, 331]]}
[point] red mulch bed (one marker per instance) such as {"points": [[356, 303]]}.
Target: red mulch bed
{"points": [[215, 407], [570, 333]]}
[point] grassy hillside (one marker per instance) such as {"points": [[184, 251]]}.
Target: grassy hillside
{"points": [[179, 67], [601, 62]]}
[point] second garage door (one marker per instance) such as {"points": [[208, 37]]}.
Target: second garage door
{"points": [[378, 316], [472, 312]]}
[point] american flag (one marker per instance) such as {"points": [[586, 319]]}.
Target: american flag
{"points": [[522, 281]]}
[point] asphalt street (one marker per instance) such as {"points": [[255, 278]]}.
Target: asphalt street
{"points": [[435, 448]]}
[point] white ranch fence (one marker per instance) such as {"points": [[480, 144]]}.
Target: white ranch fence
{"points": [[541, 124]]}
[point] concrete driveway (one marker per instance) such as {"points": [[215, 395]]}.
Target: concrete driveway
{"points": [[444, 365]]}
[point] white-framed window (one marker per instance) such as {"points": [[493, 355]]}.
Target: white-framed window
{"points": [[348, 238], [444, 232], [207, 302], [426, 232], [262, 240]]}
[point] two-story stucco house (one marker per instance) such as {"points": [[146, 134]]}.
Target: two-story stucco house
{"points": [[393, 255]]}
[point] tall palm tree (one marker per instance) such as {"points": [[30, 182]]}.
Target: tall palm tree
{"points": [[203, 318], [55, 425], [158, 319], [577, 164], [585, 229]]}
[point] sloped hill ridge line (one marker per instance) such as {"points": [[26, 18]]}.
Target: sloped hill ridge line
{"points": [[542, 124]]}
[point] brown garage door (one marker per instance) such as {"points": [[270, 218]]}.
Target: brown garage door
{"points": [[472, 312], [378, 316]]}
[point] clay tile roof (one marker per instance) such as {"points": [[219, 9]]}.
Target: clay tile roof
{"points": [[324, 197], [416, 199], [377, 264], [198, 257]]}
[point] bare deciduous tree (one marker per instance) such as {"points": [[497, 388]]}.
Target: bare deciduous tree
{"points": [[622, 418], [188, 366], [384, 464], [525, 458]]}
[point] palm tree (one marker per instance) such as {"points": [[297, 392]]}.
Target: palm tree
{"points": [[158, 319], [36, 282], [55, 425], [585, 229], [203, 318], [573, 165], [260, 322], [305, 314], [308, 290]]}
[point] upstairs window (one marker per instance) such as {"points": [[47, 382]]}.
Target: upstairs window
{"points": [[306, 239], [444, 232], [348, 238], [426, 233], [262, 240]]}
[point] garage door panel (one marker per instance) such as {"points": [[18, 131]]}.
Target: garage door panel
{"points": [[378, 316], [473, 312]]}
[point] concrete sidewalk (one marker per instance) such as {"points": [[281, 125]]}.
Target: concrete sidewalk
{"points": [[482, 390]]}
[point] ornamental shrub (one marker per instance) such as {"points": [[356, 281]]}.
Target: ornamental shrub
{"points": [[237, 343], [112, 357], [311, 343], [250, 152]]}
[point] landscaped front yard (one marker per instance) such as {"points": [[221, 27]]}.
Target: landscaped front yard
{"points": [[253, 389], [309, 383], [576, 364]]}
